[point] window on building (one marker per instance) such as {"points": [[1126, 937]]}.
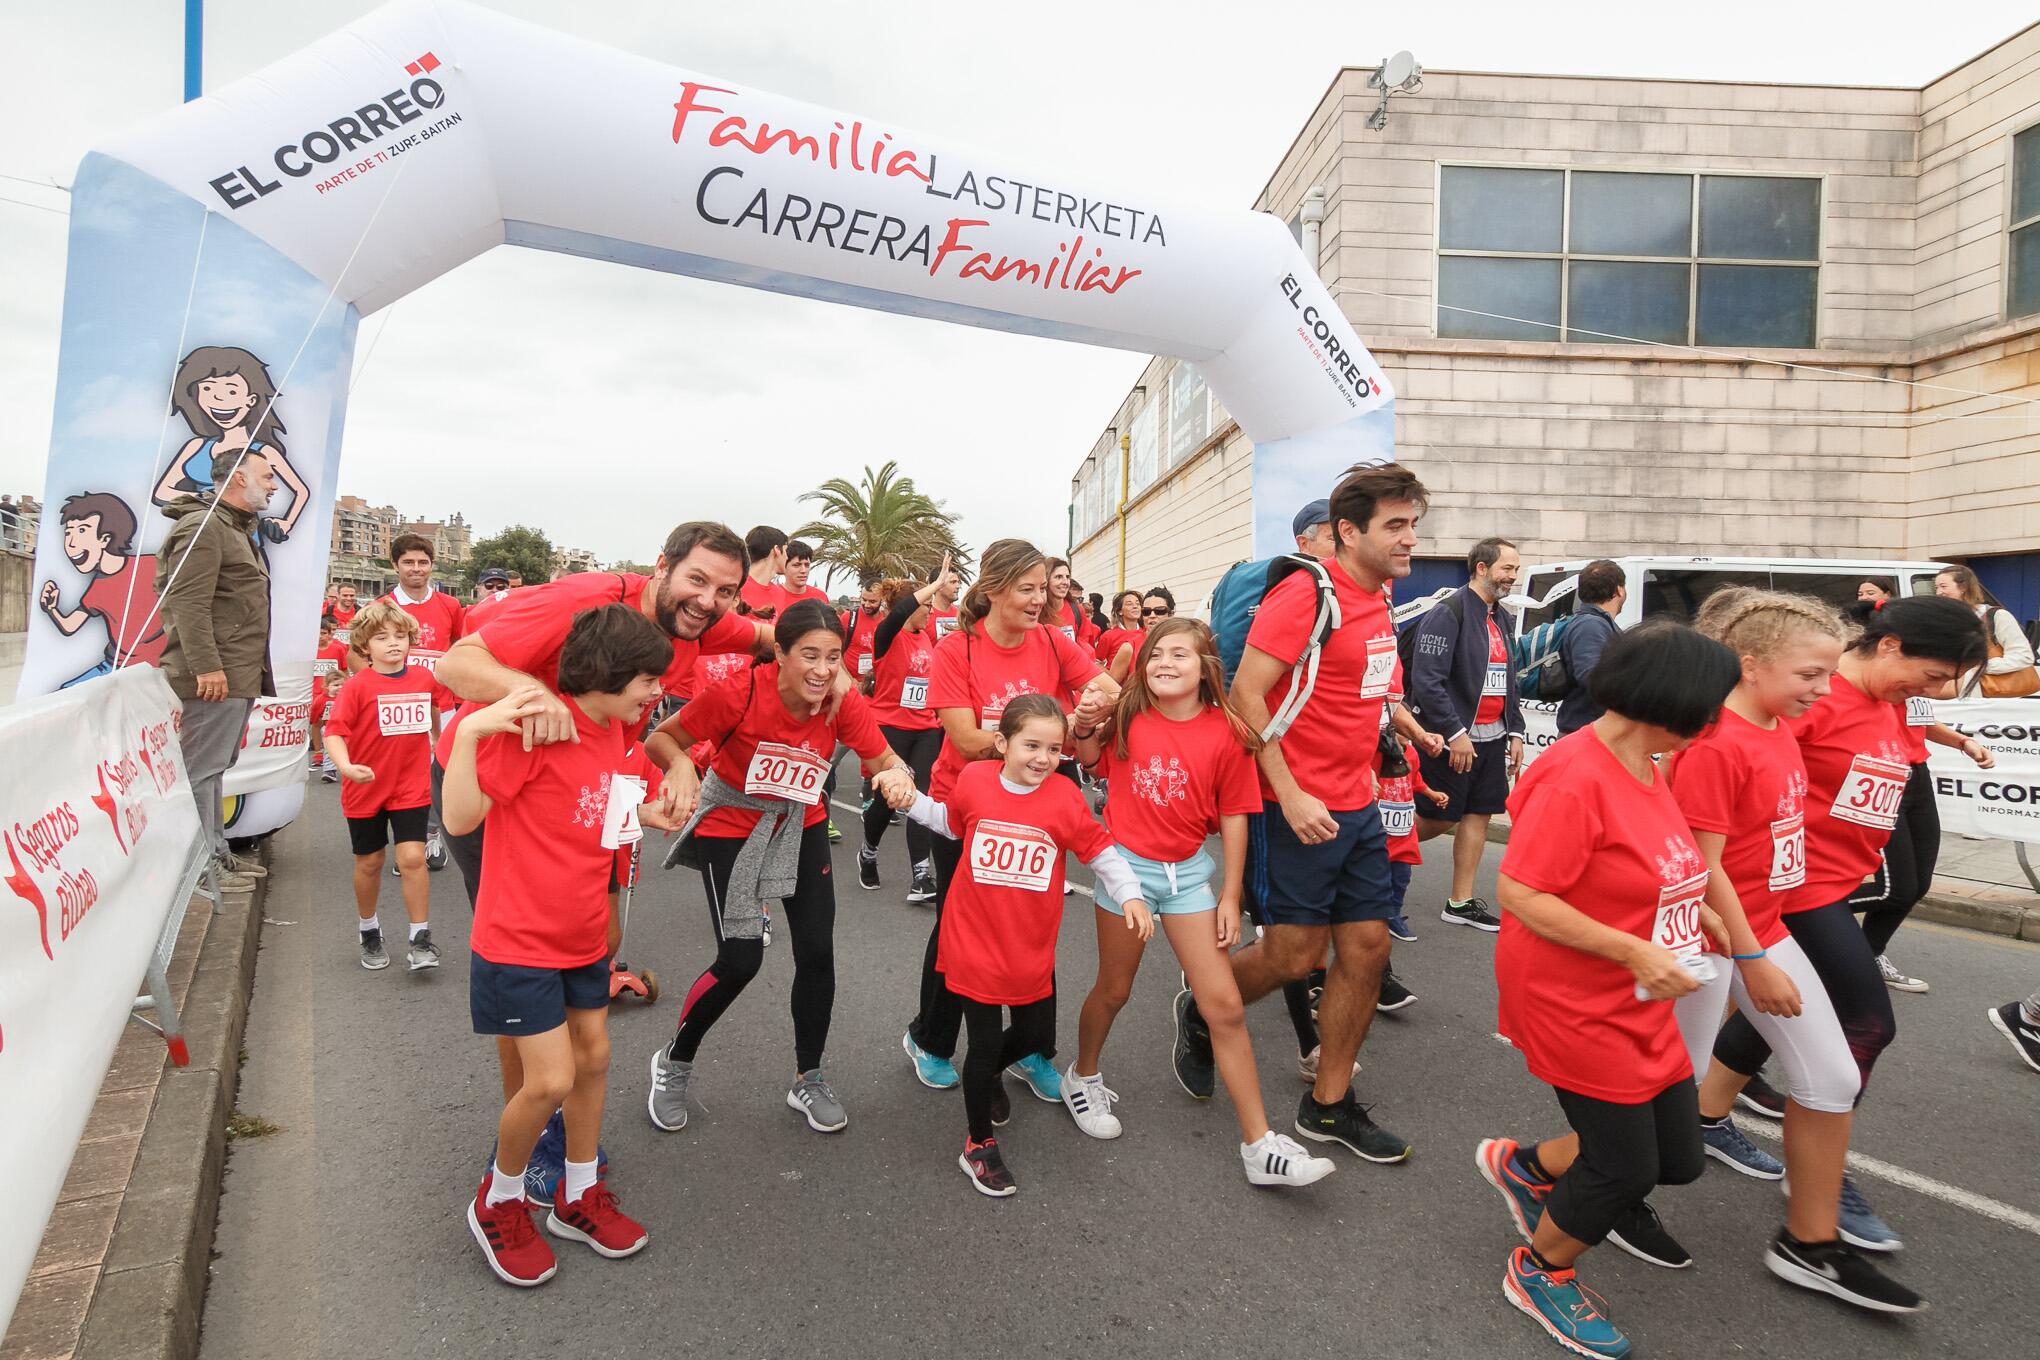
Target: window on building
{"points": [[1189, 412], [1598, 256], [1144, 450], [2023, 290]]}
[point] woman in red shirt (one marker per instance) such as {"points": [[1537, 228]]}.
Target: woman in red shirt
{"points": [[1124, 632], [762, 830], [1602, 887], [1066, 608], [903, 660], [999, 652]]}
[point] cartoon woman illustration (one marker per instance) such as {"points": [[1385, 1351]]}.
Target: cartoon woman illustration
{"points": [[228, 401]]}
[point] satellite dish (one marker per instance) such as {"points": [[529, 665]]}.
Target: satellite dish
{"points": [[1396, 71]]}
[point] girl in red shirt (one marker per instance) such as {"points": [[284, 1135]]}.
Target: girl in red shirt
{"points": [[1179, 763], [903, 661], [999, 652], [1066, 610], [1602, 887], [329, 672], [1004, 907], [764, 821], [1743, 787], [1124, 632]]}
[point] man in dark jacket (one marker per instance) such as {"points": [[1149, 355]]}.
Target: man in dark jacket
{"points": [[1602, 590], [214, 586], [1463, 687]]}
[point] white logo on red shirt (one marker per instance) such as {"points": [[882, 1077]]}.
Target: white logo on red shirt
{"points": [[1793, 799], [1161, 784], [1679, 862], [593, 806], [723, 665]]}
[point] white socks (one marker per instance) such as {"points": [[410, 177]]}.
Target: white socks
{"points": [[580, 1176], [368, 923], [504, 1185], [419, 928]]}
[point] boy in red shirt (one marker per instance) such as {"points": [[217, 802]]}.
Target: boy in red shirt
{"points": [[1399, 782], [380, 737], [329, 670], [539, 977]]}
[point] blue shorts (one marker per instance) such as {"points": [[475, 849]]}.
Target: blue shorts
{"points": [[504, 998], [1343, 880], [1170, 889]]}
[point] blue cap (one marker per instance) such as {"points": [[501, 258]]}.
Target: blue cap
{"points": [[1312, 515]]}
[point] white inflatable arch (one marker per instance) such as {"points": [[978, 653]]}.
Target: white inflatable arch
{"points": [[223, 254]]}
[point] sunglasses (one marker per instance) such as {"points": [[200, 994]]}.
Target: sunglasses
{"points": [[1155, 613]]}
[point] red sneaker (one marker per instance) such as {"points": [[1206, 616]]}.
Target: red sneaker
{"points": [[595, 1219], [510, 1241]]}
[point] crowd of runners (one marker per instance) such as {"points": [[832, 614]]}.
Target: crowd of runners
{"points": [[1675, 897]]}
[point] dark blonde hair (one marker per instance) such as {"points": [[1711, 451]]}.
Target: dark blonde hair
{"points": [[1759, 623], [1002, 565], [1134, 699], [375, 618], [1022, 709]]}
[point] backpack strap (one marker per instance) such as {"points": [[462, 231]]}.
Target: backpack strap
{"points": [[1303, 676]]}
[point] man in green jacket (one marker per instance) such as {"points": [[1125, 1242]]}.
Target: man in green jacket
{"points": [[214, 587]]}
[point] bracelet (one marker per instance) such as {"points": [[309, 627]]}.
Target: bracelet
{"points": [[1745, 958], [1082, 736]]}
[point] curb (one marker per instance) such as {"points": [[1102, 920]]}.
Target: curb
{"points": [[151, 1287]]}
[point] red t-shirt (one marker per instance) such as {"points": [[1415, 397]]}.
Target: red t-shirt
{"points": [[341, 618], [1749, 785], [481, 611], [973, 672], [1001, 915], [439, 627], [942, 622], [1919, 717], [128, 603], [1177, 780], [527, 631], [1583, 828], [1397, 799], [544, 895], [386, 721], [709, 671], [1111, 640], [1857, 764], [764, 750], [1494, 687], [1074, 625], [899, 683], [767, 599], [1354, 670], [329, 660], [805, 593], [860, 625]]}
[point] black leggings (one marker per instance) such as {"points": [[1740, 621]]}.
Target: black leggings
{"points": [[993, 1050], [810, 916], [1625, 1152], [1906, 870], [1842, 955], [919, 750]]}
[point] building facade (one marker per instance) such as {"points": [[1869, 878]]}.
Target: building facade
{"points": [[1648, 316], [363, 535]]}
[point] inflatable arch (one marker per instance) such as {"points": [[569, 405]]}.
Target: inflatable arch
{"points": [[222, 255]]}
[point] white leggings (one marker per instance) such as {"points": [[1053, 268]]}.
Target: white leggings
{"points": [[1820, 1072]]}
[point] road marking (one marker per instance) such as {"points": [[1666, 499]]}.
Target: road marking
{"points": [[1925, 1185], [848, 807]]}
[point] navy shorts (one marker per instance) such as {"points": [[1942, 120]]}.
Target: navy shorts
{"points": [[504, 998], [1332, 884], [1482, 790], [368, 835]]}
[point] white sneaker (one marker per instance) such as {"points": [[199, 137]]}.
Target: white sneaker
{"points": [[1089, 1101], [1280, 1160], [1306, 1067], [1897, 981]]}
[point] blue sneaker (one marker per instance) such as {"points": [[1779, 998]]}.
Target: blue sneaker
{"points": [[1571, 1315], [1860, 1226], [1726, 1144], [1041, 1077], [548, 1164], [1496, 1158], [1399, 926], [940, 1073]]}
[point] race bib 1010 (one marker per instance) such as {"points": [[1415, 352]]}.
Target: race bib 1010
{"points": [[1398, 819]]}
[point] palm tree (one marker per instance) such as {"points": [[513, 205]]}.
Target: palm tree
{"points": [[881, 525]]}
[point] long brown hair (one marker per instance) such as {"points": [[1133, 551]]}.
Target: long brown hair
{"points": [[222, 361], [1003, 564], [1965, 581], [1134, 699]]}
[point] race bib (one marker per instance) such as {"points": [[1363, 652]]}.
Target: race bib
{"points": [[1069, 632], [1870, 793], [426, 661], [1677, 927], [1496, 685], [1398, 819], [620, 820], [914, 693], [342, 636], [402, 715], [1919, 712], [1009, 855], [944, 627], [863, 665], [324, 665], [1380, 667], [1788, 853], [787, 772]]}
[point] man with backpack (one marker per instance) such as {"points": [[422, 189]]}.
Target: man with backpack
{"points": [[1462, 685], [1602, 590]]}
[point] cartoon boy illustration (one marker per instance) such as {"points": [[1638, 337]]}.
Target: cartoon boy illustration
{"points": [[228, 401], [99, 535]]}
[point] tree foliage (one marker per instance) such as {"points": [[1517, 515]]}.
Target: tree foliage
{"points": [[880, 525], [519, 548]]}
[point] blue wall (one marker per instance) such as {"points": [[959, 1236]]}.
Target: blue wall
{"points": [[2014, 579], [1428, 574]]}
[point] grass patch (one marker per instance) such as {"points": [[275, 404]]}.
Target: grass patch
{"points": [[241, 1126]]}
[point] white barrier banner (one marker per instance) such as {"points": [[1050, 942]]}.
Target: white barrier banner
{"points": [[96, 820], [2002, 802]]}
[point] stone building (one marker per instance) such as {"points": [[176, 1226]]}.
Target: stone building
{"points": [[1651, 316]]}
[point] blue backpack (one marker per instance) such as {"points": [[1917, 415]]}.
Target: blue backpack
{"points": [[1539, 662], [1233, 605]]}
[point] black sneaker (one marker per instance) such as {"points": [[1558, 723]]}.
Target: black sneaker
{"points": [[867, 871], [2010, 1021], [1641, 1233], [1347, 1124], [1192, 1059], [1472, 912], [1760, 1097], [1394, 996], [1837, 1268], [923, 888], [987, 1169]]}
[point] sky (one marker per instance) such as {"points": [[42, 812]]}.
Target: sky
{"points": [[604, 404]]}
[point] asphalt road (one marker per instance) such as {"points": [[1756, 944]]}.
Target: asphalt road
{"points": [[344, 1233]]}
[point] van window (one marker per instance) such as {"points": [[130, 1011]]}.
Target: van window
{"points": [[1920, 585], [1679, 592], [1832, 588]]}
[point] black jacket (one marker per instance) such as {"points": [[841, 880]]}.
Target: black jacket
{"points": [[1449, 663]]}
